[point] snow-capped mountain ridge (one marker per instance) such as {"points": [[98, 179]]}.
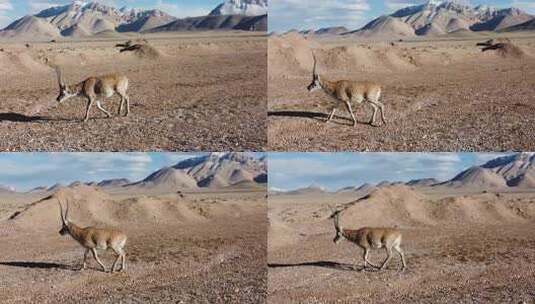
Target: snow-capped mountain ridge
{"points": [[241, 7], [437, 17], [78, 19]]}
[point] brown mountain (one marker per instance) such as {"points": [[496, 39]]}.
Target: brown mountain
{"points": [[443, 17], [80, 20], [217, 22], [30, 27]]}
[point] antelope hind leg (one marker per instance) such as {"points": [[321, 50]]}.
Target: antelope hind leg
{"points": [[99, 106], [331, 115], [350, 110], [95, 255], [89, 103]]}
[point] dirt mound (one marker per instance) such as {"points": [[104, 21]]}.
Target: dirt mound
{"points": [[401, 206], [45, 213], [91, 206], [140, 49], [147, 52], [485, 209], [290, 54], [19, 62], [510, 50], [502, 48], [388, 206]]}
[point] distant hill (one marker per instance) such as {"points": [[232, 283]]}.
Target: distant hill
{"points": [[217, 22], [436, 18], [215, 170], [79, 19]]}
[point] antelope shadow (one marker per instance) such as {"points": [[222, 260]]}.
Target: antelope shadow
{"points": [[324, 264], [17, 117], [314, 115], [39, 265]]}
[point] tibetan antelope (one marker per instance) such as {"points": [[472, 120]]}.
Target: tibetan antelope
{"points": [[92, 238], [348, 92], [95, 88], [370, 238]]}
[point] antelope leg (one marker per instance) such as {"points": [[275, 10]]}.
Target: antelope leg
{"points": [[95, 255]]}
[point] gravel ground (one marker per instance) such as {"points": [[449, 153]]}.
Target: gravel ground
{"points": [[202, 94], [470, 105], [220, 260]]}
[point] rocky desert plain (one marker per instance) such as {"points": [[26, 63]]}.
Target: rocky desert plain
{"points": [[466, 240], [441, 91], [195, 84], [195, 235]]}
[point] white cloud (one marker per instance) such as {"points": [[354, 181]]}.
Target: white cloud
{"points": [[180, 11], [528, 6], [351, 169], [395, 5], [285, 14], [5, 5]]}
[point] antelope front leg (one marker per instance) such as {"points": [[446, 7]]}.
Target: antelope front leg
{"points": [[402, 256], [366, 261], [94, 251], [123, 262], [85, 258], [121, 106], [382, 108], [388, 257], [348, 106], [331, 115], [127, 105], [89, 103], [375, 110]]}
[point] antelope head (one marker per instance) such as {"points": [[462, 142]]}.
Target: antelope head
{"points": [[316, 83], [336, 219], [65, 92], [64, 220]]}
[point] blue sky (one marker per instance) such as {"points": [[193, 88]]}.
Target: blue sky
{"points": [[307, 14], [289, 171], [11, 10], [25, 171]]}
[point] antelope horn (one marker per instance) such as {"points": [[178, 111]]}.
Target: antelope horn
{"points": [[337, 221], [332, 209], [67, 211], [61, 211], [60, 76], [315, 63]]}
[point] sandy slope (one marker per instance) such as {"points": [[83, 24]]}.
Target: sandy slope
{"points": [[197, 257], [440, 95], [207, 91], [455, 252]]}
